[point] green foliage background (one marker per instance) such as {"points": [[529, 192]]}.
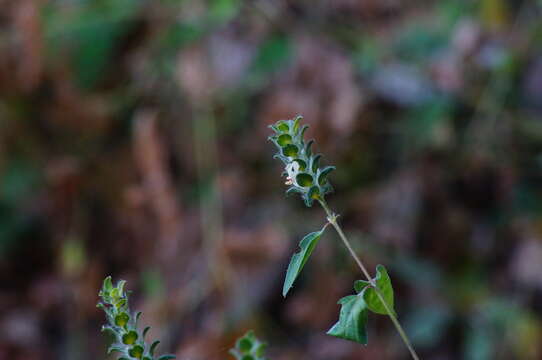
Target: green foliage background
{"points": [[133, 143]]}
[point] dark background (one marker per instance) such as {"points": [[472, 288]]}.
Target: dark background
{"points": [[133, 144]]}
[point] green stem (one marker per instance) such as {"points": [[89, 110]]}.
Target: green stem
{"points": [[332, 218]]}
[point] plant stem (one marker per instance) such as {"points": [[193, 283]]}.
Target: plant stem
{"points": [[332, 218]]}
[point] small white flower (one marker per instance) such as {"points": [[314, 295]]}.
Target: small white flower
{"points": [[292, 169]]}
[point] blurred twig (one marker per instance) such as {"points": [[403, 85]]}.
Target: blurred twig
{"points": [[151, 158], [206, 153]]}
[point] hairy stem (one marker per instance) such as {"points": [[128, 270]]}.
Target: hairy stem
{"points": [[332, 218]]}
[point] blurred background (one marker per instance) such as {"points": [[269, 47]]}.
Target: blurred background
{"points": [[133, 144]]}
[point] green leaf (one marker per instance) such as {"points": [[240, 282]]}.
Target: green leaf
{"points": [[296, 121], [153, 346], [122, 319], [315, 161], [304, 179], [326, 188], [260, 349], [282, 125], [352, 320], [308, 200], [120, 286], [299, 259], [244, 345], [302, 164], [284, 140], [359, 285], [129, 338], [290, 150], [322, 175], [147, 328], [116, 348], [120, 303], [302, 131], [308, 150], [136, 351], [108, 329], [383, 282], [166, 357], [294, 190], [137, 316], [108, 285], [314, 192]]}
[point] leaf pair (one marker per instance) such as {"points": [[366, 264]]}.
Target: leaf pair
{"points": [[355, 308]]}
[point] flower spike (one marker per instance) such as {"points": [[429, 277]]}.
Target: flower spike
{"points": [[302, 169], [129, 342]]}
